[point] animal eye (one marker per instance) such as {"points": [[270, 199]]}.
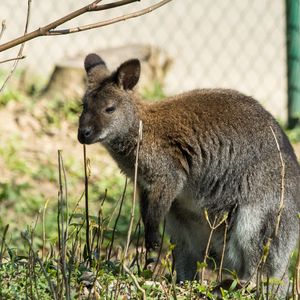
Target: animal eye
{"points": [[110, 109]]}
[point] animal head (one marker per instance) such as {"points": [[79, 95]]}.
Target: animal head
{"points": [[109, 110]]}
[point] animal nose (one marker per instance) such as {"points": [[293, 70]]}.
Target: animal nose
{"points": [[86, 131]]}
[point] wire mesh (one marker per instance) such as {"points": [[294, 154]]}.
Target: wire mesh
{"points": [[237, 44]]}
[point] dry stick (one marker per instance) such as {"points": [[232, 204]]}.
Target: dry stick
{"points": [[213, 227], [33, 272], [281, 203], [296, 285], [62, 203], [11, 59], [273, 295], [100, 223], [223, 252], [75, 208], [135, 230], [44, 229], [266, 250], [3, 27], [134, 190], [116, 221], [86, 194], [66, 231], [139, 139], [51, 287], [21, 48], [135, 282], [42, 31], [101, 228], [160, 250], [100, 238], [136, 258], [109, 22], [3, 242]]}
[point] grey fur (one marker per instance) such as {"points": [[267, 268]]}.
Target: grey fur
{"points": [[206, 149]]}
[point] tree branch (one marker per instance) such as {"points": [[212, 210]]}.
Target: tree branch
{"points": [[19, 56], [11, 59], [3, 27], [111, 21], [42, 31]]}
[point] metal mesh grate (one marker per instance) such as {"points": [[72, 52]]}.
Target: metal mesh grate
{"points": [[236, 44]]}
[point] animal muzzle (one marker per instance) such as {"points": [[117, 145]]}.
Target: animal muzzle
{"points": [[85, 135]]}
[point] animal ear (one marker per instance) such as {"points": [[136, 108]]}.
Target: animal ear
{"points": [[96, 70], [92, 60], [128, 74]]}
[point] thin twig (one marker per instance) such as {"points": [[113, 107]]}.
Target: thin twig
{"points": [[136, 258], [213, 226], [135, 282], [116, 221], [267, 246], [51, 287], [44, 229], [281, 203], [64, 215], [21, 48], [11, 59], [86, 194], [134, 190], [3, 27], [296, 285], [159, 251], [3, 243], [44, 31], [223, 252], [109, 22]]}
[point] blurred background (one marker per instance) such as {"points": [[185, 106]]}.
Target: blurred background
{"points": [[239, 44], [249, 45]]}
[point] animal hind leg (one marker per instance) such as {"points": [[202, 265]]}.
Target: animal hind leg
{"points": [[189, 238]]}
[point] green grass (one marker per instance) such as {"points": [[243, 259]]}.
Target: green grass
{"points": [[33, 250]]}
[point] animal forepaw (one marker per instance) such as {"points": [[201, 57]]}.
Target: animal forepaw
{"points": [[152, 241]]}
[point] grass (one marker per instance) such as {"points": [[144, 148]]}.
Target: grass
{"points": [[43, 252]]}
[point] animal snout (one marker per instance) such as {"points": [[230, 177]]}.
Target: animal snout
{"points": [[84, 134], [86, 131]]}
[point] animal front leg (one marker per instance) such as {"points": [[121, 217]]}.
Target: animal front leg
{"points": [[155, 204]]}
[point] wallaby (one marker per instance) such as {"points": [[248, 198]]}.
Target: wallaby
{"points": [[212, 150]]}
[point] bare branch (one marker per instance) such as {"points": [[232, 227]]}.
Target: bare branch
{"points": [[11, 59], [111, 21], [281, 203], [113, 4], [86, 196], [144, 297], [140, 136], [3, 27], [21, 48], [42, 31]]}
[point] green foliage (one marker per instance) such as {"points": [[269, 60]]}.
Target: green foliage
{"points": [[9, 151], [17, 283], [294, 134], [23, 201], [9, 96], [154, 92], [59, 109]]}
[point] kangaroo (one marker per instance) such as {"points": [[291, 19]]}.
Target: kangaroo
{"points": [[207, 150]]}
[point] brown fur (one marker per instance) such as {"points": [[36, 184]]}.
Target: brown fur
{"points": [[205, 149]]}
